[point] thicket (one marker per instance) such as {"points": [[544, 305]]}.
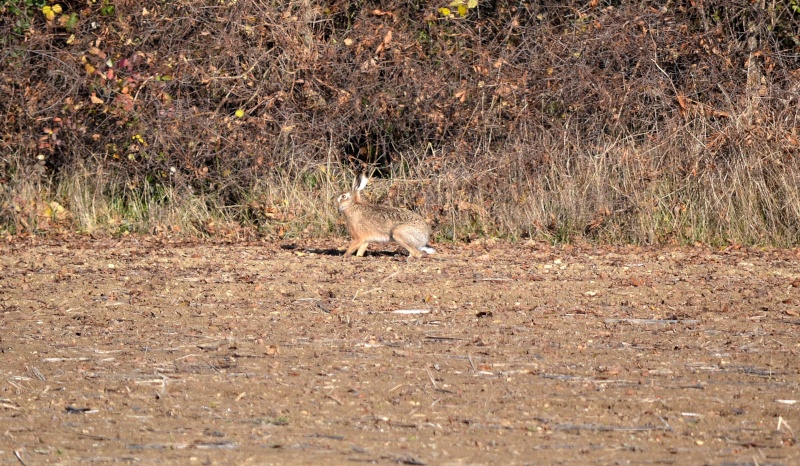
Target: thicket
{"points": [[631, 121]]}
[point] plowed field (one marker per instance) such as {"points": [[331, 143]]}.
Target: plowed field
{"points": [[145, 351]]}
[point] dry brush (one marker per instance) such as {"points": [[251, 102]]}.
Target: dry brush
{"points": [[561, 120]]}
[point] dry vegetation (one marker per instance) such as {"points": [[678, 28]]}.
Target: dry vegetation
{"points": [[648, 122]]}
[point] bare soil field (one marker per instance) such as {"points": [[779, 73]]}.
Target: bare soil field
{"points": [[145, 351]]}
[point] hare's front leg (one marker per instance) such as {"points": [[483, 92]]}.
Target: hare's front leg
{"points": [[356, 244]]}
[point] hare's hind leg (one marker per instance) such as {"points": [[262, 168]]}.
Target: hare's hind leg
{"points": [[412, 251], [408, 239], [362, 249]]}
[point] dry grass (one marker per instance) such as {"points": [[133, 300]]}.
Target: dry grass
{"points": [[617, 194]]}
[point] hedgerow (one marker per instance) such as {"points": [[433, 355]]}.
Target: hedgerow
{"points": [[644, 121]]}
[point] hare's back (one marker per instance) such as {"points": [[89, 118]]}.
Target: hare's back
{"points": [[394, 215]]}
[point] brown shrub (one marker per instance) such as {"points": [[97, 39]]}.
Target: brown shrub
{"points": [[614, 121]]}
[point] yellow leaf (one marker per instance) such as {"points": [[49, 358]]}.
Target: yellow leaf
{"points": [[48, 12], [462, 10], [445, 11], [89, 68], [95, 99], [56, 8], [239, 113], [472, 4], [57, 210], [456, 2]]}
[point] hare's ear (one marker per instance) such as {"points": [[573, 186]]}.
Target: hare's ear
{"points": [[362, 181]]}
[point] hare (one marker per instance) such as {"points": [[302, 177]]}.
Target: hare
{"points": [[370, 223]]}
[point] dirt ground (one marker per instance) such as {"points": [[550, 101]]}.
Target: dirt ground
{"points": [[145, 351]]}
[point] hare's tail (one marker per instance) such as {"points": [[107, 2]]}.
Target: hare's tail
{"points": [[427, 250]]}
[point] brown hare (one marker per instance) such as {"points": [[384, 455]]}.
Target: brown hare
{"points": [[370, 223]]}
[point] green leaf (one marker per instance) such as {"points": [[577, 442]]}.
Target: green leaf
{"points": [[71, 22]]}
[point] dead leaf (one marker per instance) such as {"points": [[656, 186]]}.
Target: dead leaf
{"points": [[97, 52], [682, 101]]}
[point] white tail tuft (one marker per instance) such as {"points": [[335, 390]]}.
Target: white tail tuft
{"points": [[427, 250]]}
